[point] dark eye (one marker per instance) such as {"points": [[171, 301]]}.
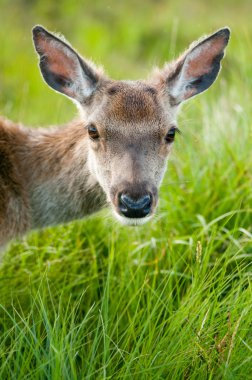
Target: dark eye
{"points": [[93, 132], [170, 136]]}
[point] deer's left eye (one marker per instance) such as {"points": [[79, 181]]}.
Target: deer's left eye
{"points": [[170, 136]]}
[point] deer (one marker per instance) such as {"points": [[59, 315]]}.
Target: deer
{"points": [[115, 153]]}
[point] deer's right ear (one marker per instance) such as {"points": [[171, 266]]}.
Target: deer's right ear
{"points": [[62, 68]]}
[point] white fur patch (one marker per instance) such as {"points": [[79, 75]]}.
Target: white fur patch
{"points": [[131, 221]]}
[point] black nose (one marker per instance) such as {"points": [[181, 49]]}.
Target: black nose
{"points": [[135, 208]]}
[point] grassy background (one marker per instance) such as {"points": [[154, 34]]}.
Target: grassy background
{"points": [[171, 299]]}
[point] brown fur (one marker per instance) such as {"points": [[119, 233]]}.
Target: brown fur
{"points": [[14, 207], [132, 103]]}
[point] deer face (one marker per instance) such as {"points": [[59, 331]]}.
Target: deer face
{"points": [[130, 126], [130, 137]]}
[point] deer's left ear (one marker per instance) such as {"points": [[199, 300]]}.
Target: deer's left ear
{"points": [[198, 68]]}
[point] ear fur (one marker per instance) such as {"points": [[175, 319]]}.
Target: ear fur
{"points": [[62, 68], [196, 70]]}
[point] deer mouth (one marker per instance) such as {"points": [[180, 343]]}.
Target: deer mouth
{"points": [[132, 221]]}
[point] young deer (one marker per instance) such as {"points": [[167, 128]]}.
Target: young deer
{"points": [[116, 152]]}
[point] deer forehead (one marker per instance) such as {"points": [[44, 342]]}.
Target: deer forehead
{"points": [[131, 104]]}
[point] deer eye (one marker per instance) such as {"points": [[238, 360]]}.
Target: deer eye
{"points": [[170, 136], [93, 132]]}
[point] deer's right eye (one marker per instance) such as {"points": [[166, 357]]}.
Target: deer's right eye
{"points": [[93, 132]]}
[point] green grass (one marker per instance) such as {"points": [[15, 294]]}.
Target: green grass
{"points": [[171, 299]]}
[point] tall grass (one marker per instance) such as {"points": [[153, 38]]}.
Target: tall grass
{"points": [[171, 299]]}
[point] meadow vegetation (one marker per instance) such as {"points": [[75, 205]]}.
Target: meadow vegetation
{"points": [[171, 299]]}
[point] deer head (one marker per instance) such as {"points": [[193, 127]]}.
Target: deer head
{"points": [[130, 125]]}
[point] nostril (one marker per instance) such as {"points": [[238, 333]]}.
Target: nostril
{"points": [[146, 201], [123, 204], [135, 208]]}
